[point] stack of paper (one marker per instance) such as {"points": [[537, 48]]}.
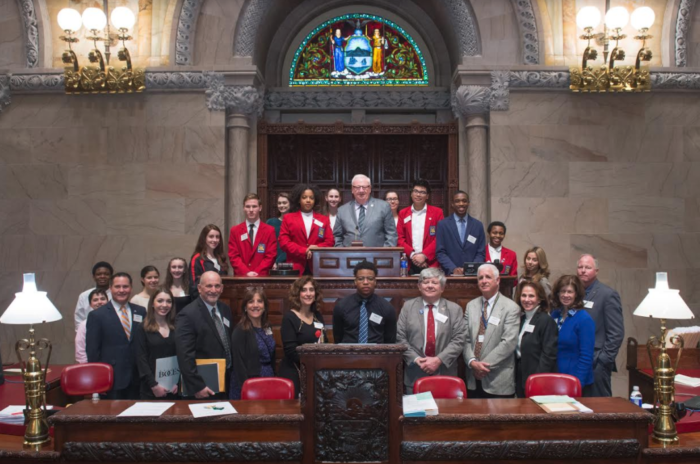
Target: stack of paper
{"points": [[212, 409], [559, 404], [14, 414], [420, 405], [155, 409], [687, 381]]}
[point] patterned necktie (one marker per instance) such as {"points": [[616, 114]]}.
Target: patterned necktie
{"points": [[251, 231], [430, 333], [364, 322], [361, 220], [126, 323], [462, 230], [482, 330], [222, 334]]}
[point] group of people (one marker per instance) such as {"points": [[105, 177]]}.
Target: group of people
{"points": [[574, 326]]}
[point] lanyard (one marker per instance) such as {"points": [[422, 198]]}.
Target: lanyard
{"points": [[486, 321]]}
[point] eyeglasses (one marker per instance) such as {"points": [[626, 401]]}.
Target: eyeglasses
{"points": [[419, 192], [361, 187], [392, 199], [365, 279]]}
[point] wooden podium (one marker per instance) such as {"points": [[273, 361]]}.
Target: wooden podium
{"points": [[339, 262], [351, 401]]}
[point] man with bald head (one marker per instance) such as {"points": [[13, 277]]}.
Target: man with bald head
{"points": [[203, 331], [604, 306], [365, 218]]}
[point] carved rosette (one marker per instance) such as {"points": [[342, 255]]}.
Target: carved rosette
{"points": [[248, 25], [4, 91], [177, 80], [500, 95], [237, 99], [37, 83], [528, 31], [184, 40], [471, 99], [31, 31], [683, 22]]}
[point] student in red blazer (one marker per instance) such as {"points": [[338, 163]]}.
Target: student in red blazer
{"points": [[294, 240], [420, 210], [509, 260], [256, 259]]}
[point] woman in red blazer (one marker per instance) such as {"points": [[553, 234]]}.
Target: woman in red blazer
{"points": [[304, 230], [431, 215], [509, 260]]}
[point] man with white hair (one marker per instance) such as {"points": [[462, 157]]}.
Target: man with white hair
{"points": [[493, 323], [604, 306], [366, 219]]}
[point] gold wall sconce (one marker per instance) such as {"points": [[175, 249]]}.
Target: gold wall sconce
{"points": [[608, 77], [100, 77]]}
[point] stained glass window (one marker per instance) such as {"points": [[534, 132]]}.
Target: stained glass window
{"points": [[358, 49]]}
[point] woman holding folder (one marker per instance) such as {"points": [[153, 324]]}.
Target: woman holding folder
{"points": [[154, 340]]}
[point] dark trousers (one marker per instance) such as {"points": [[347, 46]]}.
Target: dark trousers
{"points": [[602, 383], [129, 393], [480, 393]]}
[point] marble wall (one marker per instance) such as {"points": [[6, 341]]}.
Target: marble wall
{"points": [[130, 180], [613, 175]]}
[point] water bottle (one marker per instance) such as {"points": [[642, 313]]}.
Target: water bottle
{"points": [[95, 397], [636, 396], [404, 265]]}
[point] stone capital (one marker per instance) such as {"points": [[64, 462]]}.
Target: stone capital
{"points": [[471, 99], [4, 91], [238, 99]]}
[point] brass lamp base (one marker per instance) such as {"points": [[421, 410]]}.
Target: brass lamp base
{"points": [[37, 432]]}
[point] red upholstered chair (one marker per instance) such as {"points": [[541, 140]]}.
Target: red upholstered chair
{"points": [[441, 386], [267, 388], [86, 379], [552, 384]]}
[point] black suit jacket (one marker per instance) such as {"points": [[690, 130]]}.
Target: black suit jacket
{"points": [[246, 355], [106, 342], [538, 350], [196, 337]]}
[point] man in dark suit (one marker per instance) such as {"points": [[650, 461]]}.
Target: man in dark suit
{"points": [[460, 238], [365, 218], [203, 331], [109, 335], [604, 306]]}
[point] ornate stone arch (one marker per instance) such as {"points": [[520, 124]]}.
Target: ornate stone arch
{"points": [[30, 25], [465, 26], [186, 27], [684, 19], [526, 15]]}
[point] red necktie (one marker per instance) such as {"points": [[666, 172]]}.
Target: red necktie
{"points": [[430, 334]]}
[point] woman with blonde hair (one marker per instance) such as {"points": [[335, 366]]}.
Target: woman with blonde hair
{"points": [[536, 269]]}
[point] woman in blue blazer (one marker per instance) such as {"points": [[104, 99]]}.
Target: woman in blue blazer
{"points": [[576, 331]]}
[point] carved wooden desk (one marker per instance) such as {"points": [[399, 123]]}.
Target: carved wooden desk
{"points": [[517, 430], [686, 452]]}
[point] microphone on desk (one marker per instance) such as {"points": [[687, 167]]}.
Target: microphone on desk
{"points": [[498, 264]]}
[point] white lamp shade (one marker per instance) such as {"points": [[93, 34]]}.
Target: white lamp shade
{"points": [[663, 302], [30, 306], [616, 18], [94, 18], [69, 19], [123, 18], [588, 16], [643, 18]]}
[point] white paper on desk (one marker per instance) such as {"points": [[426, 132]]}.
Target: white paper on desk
{"points": [[146, 409], [562, 407], [14, 414], [581, 407], [687, 381], [167, 372], [221, 408]]}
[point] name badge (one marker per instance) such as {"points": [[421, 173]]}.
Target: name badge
{"points": [[432, 230], [480, 339], [321, 232], [506, 270], [318, 325], [318, 223], [376, 318], [494, 320], [261, 248], [138, 318], [407, 219], [244, 237], [529, 328], [471, 239], [441, 317], [227, 323], [268, 331], [587, 304]]}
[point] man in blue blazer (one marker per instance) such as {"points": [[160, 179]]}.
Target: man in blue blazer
{"points": [[460, 238], [109, 335]]}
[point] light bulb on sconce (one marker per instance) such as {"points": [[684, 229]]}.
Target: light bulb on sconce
{"points": [[123, 18], [69, 20], [588, 17], [643, 18], [617, 18], [94, 19]]}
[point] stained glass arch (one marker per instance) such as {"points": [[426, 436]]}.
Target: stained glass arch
{"points": [[358, 49]]}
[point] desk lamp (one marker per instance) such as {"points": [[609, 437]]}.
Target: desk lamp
{"points": [[664, 303], [33, 307]]}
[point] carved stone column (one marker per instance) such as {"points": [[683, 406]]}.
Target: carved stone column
{"points": [[472, 103]]}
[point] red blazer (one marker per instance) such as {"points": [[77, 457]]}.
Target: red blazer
{"points": [[257, 258], [508, 258], [293, 238], [405, 231]]}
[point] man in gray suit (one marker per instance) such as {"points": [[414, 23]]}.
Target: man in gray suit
{"points": [[365, 218], [433, 328], [493, 323], [604, 306]]}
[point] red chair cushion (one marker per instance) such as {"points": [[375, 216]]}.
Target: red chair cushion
{"points": [[86, 379], [552, 384], [267, 388], [441, 386]]}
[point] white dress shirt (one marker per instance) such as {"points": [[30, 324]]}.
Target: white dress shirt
{"points": [[425, 322], [256, 228], [117, 308], [331, 217], [357, 210], [308, 221], [495, 253], [528, 317], [418, 228], [83, 307]]}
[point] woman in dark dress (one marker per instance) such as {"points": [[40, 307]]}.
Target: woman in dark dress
{"points": [[303, 324], [208, 255], [276, 222], [155, 339], [176, 279], [536, 351], [252, 343]]}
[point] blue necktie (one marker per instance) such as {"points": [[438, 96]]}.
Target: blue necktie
{"points": [[361, 219], [364, 322], [462, 230]]}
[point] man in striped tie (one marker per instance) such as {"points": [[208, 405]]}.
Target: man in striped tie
{"points": [[109, 335]]}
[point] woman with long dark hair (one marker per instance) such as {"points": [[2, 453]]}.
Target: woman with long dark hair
{"points": [[276, 222], [208, 255], [177, 280], [150, 279]]}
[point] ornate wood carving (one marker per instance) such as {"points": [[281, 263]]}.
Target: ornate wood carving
{"points": [[520, 450], [352, 350], [352, 415], [29, 456], [352, 129], [491, 418], [234, 418], [181, 452]]}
